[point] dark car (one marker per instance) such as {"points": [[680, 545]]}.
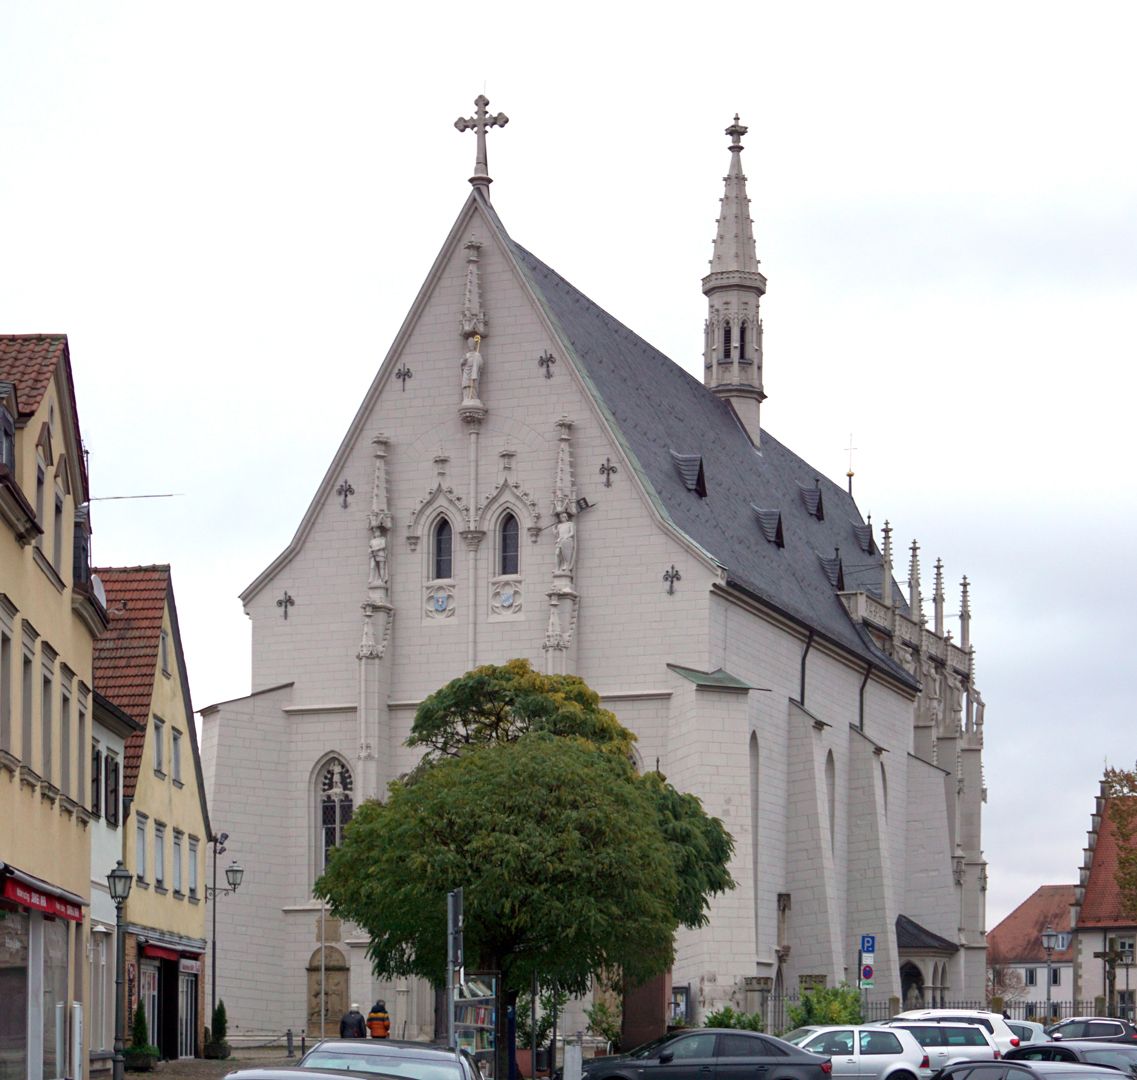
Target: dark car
{"points": [[1093, 1027], [391, 1057], [1024, 1070], [1118, 1055], [712, 1054]]}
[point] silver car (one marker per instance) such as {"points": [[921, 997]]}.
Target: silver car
{"points": [[866, 1053], [946, 1044]]}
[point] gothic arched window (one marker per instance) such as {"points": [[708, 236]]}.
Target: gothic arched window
{"points": [[335, 806], [442, 550], [509, 545], [726, 339], [742, 341]]}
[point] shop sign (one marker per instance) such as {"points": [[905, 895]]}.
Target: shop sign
{"points": [[189, 967], [40, 901]]}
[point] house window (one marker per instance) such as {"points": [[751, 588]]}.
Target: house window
{"points": [[7, 440], [509, 547], [96, 779], [1055, 976], [176, 755], [65, 741], [335, 806], [47, 722], [140, 847], [81, 753], [159, 746], [1124, 947], [5, 691], [57, 533], [1030, 976], [111, 802], [159, 855], [164, 652], [726, 339], [26, 704], [442, 550], [39, 498], [177, 868], [193, 867]]}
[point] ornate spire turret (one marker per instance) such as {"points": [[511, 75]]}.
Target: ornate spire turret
{"points": [[915, 600], [938, 598], [965, 615], [734, 288], [886, 566]]}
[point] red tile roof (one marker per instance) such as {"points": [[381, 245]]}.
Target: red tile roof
{"points": [[1018, 938], [126, 656], [1102, 904], [29, 361]]}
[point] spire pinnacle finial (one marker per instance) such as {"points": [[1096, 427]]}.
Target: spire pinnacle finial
{"points": [[965, 615], [480, 122], [886, 567], [915, 600], [736, 131], [938, 598]]}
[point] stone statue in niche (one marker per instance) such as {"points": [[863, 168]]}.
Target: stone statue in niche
{"points": [[472, 370], [378, 547], [566, 543]]}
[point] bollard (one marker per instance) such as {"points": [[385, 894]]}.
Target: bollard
{"points": [[303, 1044], [289, 1037]]}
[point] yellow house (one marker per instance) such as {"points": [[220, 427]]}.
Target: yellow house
{"points": [[50, 615], [140, 669]]}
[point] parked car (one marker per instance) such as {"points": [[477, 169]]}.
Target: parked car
{"points": [[993, 1022], [946, 1044], [1093, 1027], [871, 1053], [727, 1053], [1117, 1055], [1025, 1070], [391, 1057], [1028, 1031]]}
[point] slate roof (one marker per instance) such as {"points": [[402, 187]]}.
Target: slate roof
{"points": [[1101, 904], [661, 411], [1018, 938], [911, 935], [126, 656]]}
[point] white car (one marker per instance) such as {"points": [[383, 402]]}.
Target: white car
{"points": [[1005, 1039], [947, 1044], [866, 1052], [1028, 1032]]}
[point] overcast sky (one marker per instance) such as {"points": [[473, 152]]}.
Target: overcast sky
{"points": [[229, 208]]}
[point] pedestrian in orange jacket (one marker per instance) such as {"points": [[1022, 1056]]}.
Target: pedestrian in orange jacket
{"points": [[379, 1021]]}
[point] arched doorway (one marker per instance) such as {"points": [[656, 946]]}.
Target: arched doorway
{"points": [[911, 985], [327, 991]]}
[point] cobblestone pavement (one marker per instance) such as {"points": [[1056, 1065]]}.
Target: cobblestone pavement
{"points": [[201, 1069]]}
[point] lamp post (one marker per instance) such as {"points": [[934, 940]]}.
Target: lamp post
{"points": [[1049, 940], [233, 874], [119, 881]]}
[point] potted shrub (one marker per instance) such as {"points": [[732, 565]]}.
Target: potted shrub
{"points": [[140, 1055], [215, 1044]]}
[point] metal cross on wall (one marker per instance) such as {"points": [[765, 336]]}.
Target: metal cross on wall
{"points": [[607, 470], [344, 490], [403, 374], [547, 360], [480, 122], [670, 576], [285, 602]]}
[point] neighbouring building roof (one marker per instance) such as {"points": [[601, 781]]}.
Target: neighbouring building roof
{"points": [[126, 656], [1101, 904], [911, 935], [1018, 938]]}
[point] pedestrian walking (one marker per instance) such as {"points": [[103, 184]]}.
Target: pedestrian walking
{"points": [[353, 1026], [379, 1020]]}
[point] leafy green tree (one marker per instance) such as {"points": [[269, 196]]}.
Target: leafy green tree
{"points": [[726, 1017], [827, 1005], [571, 864]]}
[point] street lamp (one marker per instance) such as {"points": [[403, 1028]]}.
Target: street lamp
{"points": [[1049, 941], [119, 881], [234, 872]]}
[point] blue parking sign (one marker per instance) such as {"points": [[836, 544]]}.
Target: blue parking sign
{"points": [[868, 943]]}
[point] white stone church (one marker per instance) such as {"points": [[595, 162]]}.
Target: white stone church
{"points": [[526, 477]]}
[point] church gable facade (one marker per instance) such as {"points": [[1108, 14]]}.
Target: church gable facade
{"points": [[528, 478]]}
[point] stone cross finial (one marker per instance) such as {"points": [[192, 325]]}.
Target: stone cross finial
{"points": [[480, 122], [736, 131]]}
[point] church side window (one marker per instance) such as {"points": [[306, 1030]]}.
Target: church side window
{"points": [[509, 546], [442, 552], [726, 339], [335, 799], [742, 340]]}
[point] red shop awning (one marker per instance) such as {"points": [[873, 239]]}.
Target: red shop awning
{"points": [[31, 893], [158, 952]]}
